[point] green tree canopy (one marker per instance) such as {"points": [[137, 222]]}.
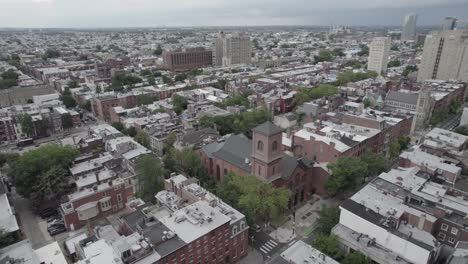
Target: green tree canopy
{"points": [[328, 218], [350, 76], [308, 94], [8, 79], [26, 123], [324, 55], [179, 103], [158, 51], [364, 50], [143, 138], [67, 121], [150, 176], [346, 172], [50, 53], [394, 63], [376, 163], [121, 79], [29, 170], [243, 193], [67, 98], [328, 244], [356, 258]]}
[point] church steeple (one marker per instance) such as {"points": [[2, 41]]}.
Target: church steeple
{"points": [[266, 150]]}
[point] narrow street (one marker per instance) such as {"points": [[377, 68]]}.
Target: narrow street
{"points": [[33, 227]]}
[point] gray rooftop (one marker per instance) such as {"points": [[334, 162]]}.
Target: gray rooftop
{"points": [[408, 98], [268, 129], [236, 150]]}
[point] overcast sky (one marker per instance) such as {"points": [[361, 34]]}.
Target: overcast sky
{"points": [[149, 13]]}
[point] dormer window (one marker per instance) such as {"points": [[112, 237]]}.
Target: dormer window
{"points": [[274, 146]]}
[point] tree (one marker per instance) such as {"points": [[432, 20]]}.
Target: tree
{"points": [[395, 149], [404, 142], [462, 130], [6, 239], [346, 172], [394, 63], [328, 218], [376, 163], [350, 76], [26, 123], [143, 138], [167, 80], [150, 177], [8, 79], [409, 69], [394, 47], [29, 169], [169, 141], [179, 103], [131, 131], [72, 84], [180, 77], [328, 244], [308, 94], [356, 258], [7, 158], [353, 64], [67, 121], [144, 99], [158, 51], [52, 184], [338, 52], [364, 50], [324, 55], [119, 126], [67, 98], [121, 79], [242, 192], [86, 106], [221, 84], [188, 162], [50, 53], [367, 103], [151, 80]]}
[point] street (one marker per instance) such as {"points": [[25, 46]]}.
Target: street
{"points": [[33, 227]]}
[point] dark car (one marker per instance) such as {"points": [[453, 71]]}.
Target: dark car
{"points": [[55, 222], [56, 229], [54, 218], [48, 212]]}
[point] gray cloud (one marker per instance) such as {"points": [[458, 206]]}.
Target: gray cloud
{"points": [[118, 13]]}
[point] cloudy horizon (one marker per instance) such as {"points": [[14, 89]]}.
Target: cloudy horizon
{"points": [[156, 13]]}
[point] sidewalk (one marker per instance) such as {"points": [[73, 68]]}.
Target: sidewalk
{"points": [[306, 218]]}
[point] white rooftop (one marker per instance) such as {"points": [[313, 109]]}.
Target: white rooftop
{"points": [[8, 221], [195, 221], [51, 254], [301, 252], [417, 156]]}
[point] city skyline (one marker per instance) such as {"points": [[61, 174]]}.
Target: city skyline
{"points": [[146, 13]]}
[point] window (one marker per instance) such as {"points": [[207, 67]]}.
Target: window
{"points": [[274, 146], [242, 225], [274, 170], [444, 227], [454, 230], [119, 197], [234, 230], [225, 172], [259, 169], [260, 145], [441, 236], [451, 240]]}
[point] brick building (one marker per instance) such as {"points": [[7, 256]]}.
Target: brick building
{"points": [[187, 59], [264, 158], [104, 70]]}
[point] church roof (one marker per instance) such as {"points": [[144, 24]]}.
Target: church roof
{"points": [[236, 149], [268, 129]]}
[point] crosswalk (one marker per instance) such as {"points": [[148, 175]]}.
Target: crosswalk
{"points": [[268, 246]]}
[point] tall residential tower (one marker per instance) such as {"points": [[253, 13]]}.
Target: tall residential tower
{"points": [[445, 56], [409, 27], [378, 54], [232, 50]]}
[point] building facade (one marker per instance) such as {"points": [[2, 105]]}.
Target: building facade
{"points": [[232, 49], [409, 27], [379, 50], [445, 56], [188, 59]]}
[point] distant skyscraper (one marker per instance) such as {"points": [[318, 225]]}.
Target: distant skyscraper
{"points": [[409, 27], [378, 54], [232, 50], [449, 23], [445, 56]]}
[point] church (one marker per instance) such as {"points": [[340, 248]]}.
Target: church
{"points": [[264, 157]]}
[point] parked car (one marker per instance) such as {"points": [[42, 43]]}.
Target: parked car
{"points": [[56, 229], [48, 212], [257, 228], [54, 218], [55, 222]]}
